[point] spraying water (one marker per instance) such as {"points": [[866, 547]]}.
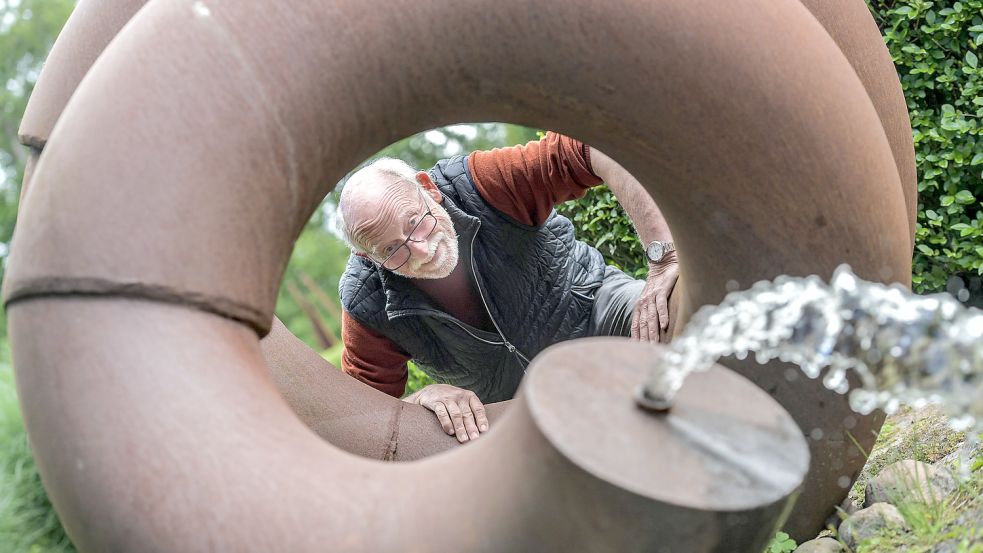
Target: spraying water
{"points": [[904, 348]]}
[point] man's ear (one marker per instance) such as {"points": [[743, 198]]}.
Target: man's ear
{"points": [[429, 186]]}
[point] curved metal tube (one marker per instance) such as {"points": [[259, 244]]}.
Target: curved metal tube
{"points": [[346, 412], [164, 206], [853, 28]]}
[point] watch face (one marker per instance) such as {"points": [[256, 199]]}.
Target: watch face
{"points": [[655, 251]]}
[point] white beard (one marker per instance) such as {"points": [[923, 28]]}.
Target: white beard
{"points": [[445, 265]]}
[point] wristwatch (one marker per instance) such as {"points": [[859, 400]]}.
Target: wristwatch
{"points": [[657, 250]]}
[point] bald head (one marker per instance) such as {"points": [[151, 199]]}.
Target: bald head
{"points": [[383, 186], [391, 212]]}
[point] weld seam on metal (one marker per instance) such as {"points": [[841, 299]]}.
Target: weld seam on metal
{"points": [[34, 142], [57, 287], [393, 445]]}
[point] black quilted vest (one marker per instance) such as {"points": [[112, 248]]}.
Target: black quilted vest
{"points": [[538, 285]]}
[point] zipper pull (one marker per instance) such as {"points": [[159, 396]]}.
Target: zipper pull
{"points": [[509, 346]]}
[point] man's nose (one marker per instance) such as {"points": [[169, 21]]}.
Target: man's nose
{"points": [[418, 249]]}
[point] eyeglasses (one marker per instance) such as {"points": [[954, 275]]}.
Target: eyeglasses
{"points": [[400, 255]]}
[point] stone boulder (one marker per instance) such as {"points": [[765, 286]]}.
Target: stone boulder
{"points": [[909, 480], [921, 433], [820, 545], [866, 523]]}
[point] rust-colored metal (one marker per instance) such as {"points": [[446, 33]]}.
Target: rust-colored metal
{"points": [[88, 31], [199, 144], [853, 28], [349, 414]]}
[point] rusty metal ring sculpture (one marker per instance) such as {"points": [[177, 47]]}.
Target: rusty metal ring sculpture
{"points": [[196, 148]]}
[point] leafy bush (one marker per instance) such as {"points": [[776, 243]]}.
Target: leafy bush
{"points": [[936, 49], [602, 222]]}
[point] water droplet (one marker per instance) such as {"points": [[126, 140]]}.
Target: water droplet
{"points": [[791, 375], [844, 482], [816, 434], [962, 295], [849, 423], [732, 286]]}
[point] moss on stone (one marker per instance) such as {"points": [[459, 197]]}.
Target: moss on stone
{"points": [[920, 434], [953, 525]]}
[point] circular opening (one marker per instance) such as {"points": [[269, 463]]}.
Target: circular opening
{"points": [[309, 302]]}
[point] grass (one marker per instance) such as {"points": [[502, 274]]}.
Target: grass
{"points": [[27, 521], [926, 439], [931, 520]]}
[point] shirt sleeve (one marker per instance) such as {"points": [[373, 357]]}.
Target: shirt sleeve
{"points": [[373, 358], [527, 182]]}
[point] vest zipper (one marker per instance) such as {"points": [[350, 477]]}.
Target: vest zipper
{"points": [[465, 329], [508, 345]]}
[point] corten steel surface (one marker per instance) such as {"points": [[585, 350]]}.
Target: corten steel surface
{"points": [[350, 414], [575, 466], [217, 139], [92, 25], [852, 26]]}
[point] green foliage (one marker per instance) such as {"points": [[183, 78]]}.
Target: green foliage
{"points": [[602, 222], [417, 379], [932, 521], [322, 256], [781, 543], [27, 521], [936, 49]]}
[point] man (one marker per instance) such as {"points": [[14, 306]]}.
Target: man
{"points": [[469, 271]]}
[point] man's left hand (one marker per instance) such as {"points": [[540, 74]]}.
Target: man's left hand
{"points": [[652, 308]]}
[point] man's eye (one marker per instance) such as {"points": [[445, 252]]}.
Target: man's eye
{"points": [[412, 222], [388, 250]]}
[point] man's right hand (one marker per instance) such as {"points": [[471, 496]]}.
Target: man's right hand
{"points": [[459, 411]]}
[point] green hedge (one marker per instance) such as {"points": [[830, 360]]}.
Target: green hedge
{"points": [[936, 49], [601, 222]]}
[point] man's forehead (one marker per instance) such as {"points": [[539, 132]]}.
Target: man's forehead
{"points": [[374, 205], [381, 188]]}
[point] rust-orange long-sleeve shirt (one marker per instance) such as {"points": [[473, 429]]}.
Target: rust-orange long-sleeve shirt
{"points": [[523, 182]]}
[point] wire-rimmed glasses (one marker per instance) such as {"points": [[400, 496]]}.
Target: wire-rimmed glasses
{"points": [[396, 258]]}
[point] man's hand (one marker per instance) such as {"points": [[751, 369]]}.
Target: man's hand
{"points": [[459, 411], [652, 308]]}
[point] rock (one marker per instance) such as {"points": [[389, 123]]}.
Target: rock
{"points": [[949, 546], [970, 521], [820, 545], [963, 455], [972, 517], [866, 523], [909, 480], [923, 434]]}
